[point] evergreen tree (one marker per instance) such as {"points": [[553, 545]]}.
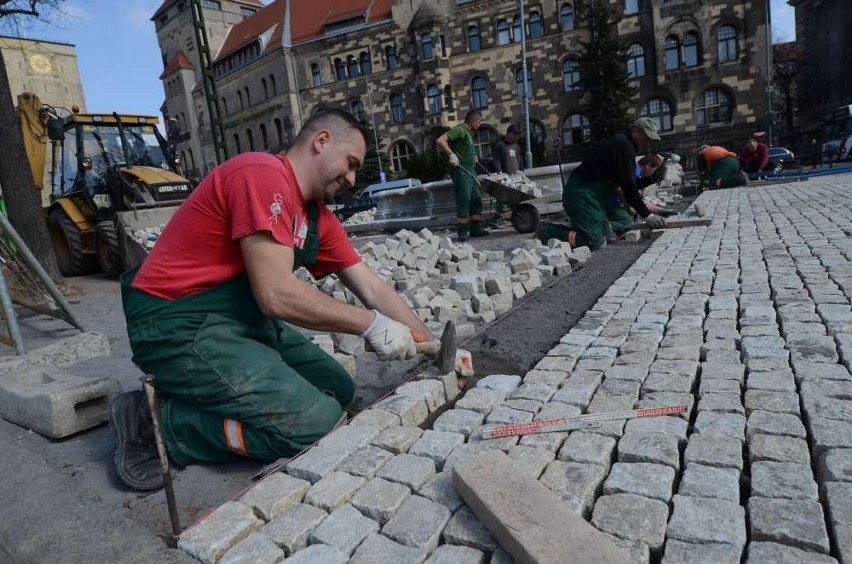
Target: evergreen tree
{"points": [[603, 74]]}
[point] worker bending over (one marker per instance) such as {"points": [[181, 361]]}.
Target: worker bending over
{"points": [[206, 310], [621, 215], [718, 168], [588, 193]]}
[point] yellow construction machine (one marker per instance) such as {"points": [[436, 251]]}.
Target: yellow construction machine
{"points": [[113, 184]]}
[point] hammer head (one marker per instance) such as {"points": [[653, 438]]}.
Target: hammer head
{"points": [[449, 345]]}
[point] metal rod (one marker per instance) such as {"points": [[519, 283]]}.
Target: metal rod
{"points": [[526, 101], [9, 313], [148, 385]]}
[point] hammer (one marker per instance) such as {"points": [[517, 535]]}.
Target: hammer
{"points": [[443, 351]]}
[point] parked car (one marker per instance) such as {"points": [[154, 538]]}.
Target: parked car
{"points": [[780, 154], [366, 201]]}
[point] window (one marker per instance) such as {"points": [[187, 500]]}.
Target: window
{"points": [[428, 47], [433, 96], [240, 98], [316, 77], [517, 28], [225, 106], [272, 87], [478, 95], [672, 53], [536, 25], [339, 69], [566, 15], [503, 37], [246, 12], [575, 130], [473, 40], [397, 111], [264, 138], [213, 4], [660, 111], [712, 106], [390, 57], [400, 153], [727, 44], [690, 49], [484, 140], [237, 149], [570, 75], [448, 97], [352, 67], [366, 64], [250, 139], [265, 89], [519, 83], [636, 61], [537, 131], [631, 6], [279, 131], [357, 109], [248, 96]]}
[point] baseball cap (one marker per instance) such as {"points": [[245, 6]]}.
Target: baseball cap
{"points": [[513, 129], [649, 126]]}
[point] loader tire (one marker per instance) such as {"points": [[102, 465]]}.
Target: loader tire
{"points": [[108, 249], [70, 246]]}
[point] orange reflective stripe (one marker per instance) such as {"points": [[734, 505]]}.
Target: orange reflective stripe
{"points": [[476, 218], [234, 437]]}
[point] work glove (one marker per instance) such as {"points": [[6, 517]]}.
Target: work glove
{"points": [[654, 221], [454, 160], [390, 339]]}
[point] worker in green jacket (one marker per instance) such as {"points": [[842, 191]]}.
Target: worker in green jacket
{"points": [[458, 145]]}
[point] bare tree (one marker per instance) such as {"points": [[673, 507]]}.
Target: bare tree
{"points": [[787, 66], [22, 200]]}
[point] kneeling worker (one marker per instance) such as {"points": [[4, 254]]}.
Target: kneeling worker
{"points": [[719, 168], [206, 310], [588, 193]]}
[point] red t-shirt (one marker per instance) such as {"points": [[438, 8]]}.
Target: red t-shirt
{"points": [[253, 192]]}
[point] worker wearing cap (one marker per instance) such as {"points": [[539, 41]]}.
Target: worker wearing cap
{"points": [[507, 157], [719, 168], [457, 144], [587, 195]]}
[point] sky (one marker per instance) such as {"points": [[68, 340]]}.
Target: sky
{"points": [[120, 61]]}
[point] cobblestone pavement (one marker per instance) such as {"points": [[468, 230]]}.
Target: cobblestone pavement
{"points": [[747, 322]]}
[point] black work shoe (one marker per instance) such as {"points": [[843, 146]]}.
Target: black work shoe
{"points": [[480, 233], [136, 458]]}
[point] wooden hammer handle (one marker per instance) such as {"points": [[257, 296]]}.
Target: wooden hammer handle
{"points": [[428, 348]]}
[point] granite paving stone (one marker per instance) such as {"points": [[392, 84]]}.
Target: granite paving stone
{"points": [[704, 520], [677, 552], [700, 480], [455, 554], [728, 424], [648, 480], [210, 539], [436, 445], [273, 495], [378, 499], [481, 400], [572, 479], [365, 462], [774, 424], [376, 418], [343, 529], [462, 421], [319, 554], [408, 470], [417, 523], [779, 381], [590, 448], [378, 549], [397, 440], [632, 517], [255, 549], [774, 402], [317, 462], [533, 460], [333, 490], [827, 434], [798, 523], [465, 529], [777, 448], [725, 402], [760, 552], [835, 465], [656, 448], [290, 530]]}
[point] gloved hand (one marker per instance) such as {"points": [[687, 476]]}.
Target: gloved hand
{"points": [[654, 221], [454, 160], [389, 338]]}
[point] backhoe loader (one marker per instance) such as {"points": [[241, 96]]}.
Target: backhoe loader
{"points": [[111, 179]]}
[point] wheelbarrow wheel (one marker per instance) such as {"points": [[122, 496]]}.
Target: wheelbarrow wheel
{"points": [[525, 218]]}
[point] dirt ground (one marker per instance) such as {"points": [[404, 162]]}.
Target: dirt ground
{"points": [[511, 344]]}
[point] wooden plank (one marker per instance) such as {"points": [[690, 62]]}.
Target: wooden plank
{"points": [[528, 520], [676, 222]]}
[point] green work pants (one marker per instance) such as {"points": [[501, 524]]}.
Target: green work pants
{"points": [[588, 205], [237, 382], [468, 200], [728, 170], [619, 218]]}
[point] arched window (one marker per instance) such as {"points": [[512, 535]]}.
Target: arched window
{"points": [[237, 149], [448, 97], [273, 90], [191, 160], [400, 153], [570, 75], [537, 131], [264, 138], [516, 28], [503, 37], [631, 7], [265, 89], [397, 111], [575, 130], [433, 96], [478, 94], [473, 39], [248, 96], [279, 131], [484, 140], [390, 57], [519, 83], [352, 67], [183, 160], [240, 98], [660, 111], [712, 106], [536, 25], [366, 64], [225, 106], [316, 77], [566, 16], [727, 43], [427, 46], [339, 69], [672, 53], [357, 109], [690, 50], [636, 61], [250, 139]]}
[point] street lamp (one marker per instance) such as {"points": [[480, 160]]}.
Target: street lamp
{"points": [[382, 177], [768, 71], [526, 96]]}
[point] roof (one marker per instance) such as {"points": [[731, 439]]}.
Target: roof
{"points": [[179, 61], [269, 18], [169, 3], [309, 17]]}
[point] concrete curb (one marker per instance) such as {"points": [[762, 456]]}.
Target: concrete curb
{"points": [[46, 517]]}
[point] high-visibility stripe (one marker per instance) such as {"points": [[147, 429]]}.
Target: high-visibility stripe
{"points": [[234, 437], [476, 218]]}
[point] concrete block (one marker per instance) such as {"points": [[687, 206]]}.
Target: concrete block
{"points": [[60, 353], [55, 402]]}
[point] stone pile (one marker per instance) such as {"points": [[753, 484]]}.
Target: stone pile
{"points": [[148, 237], [518, 181], [362, 217]]}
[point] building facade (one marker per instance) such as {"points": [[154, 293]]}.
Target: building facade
{"points": [[415, 67]]}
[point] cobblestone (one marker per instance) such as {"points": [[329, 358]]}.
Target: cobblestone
{"points": [[378, 499], [657, 448], [343, 529], [705, 520], [291, 529], [378, 548], [574, 480], [678, 552], [632, 517], [708, 481], [776, 448], [333, 490], [799, 523], [418, 523], [465, 529], [648, 480]]}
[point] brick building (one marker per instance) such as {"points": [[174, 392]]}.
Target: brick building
{"points": [[415, 67]]}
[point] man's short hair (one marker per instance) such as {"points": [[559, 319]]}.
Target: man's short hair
{"points": [[333, 119], [472, 115], [653, 159]]}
